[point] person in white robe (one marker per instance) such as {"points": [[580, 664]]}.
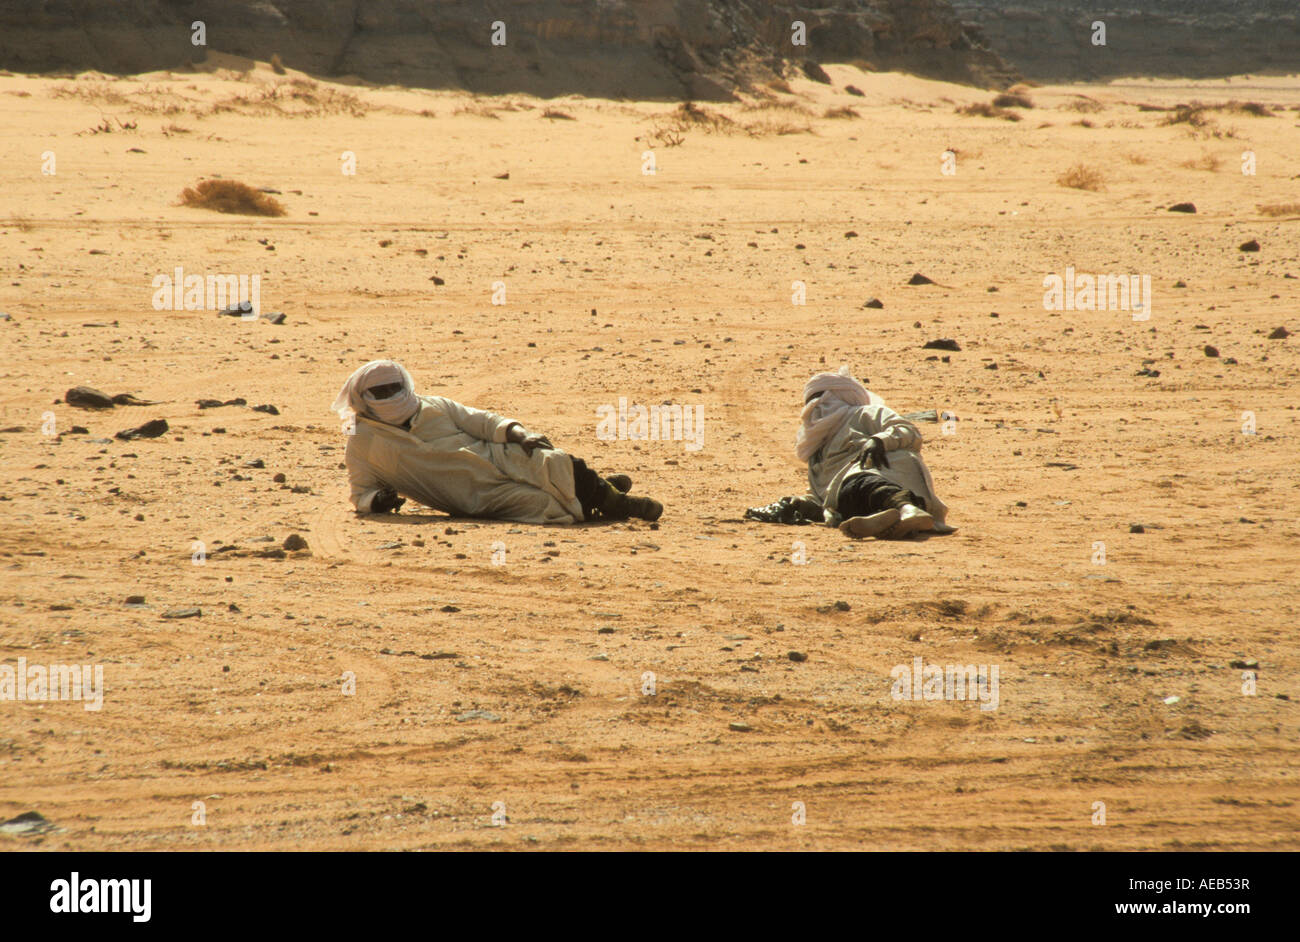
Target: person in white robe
{"points": [[465, 461], [864, 462]]}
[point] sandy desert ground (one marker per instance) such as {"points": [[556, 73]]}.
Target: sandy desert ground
{"points": [[515, 691]]}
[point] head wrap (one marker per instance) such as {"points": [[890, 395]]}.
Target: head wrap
{"points": [[355, 394], [840, 393]]}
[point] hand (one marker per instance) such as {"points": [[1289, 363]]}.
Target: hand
{"points": [[385, 501], [532, 442], [874, 454]]}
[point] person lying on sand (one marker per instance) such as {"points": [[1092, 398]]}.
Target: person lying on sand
{"points": [[465, 461], [864, 465]]}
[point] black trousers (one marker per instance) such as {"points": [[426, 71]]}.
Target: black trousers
{"points": [[588, 487], [867, 494]]}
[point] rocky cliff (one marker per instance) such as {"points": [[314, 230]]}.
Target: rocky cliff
{"points": [[618, 48], [1051, 40]]}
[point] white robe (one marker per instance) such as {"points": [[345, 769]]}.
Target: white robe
{"points": [[837, 461], [456, 459]]}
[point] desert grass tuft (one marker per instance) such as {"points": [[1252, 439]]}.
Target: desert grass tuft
{"points": [[1081, 177], [231, 196]]}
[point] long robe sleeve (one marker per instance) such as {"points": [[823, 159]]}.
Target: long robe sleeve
{"points": [[480, 423]]}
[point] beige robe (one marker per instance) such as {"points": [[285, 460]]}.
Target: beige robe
{"points": [[456, 459], [837, 461]]}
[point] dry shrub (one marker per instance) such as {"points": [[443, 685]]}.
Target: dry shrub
{"points": [[1083, 104], [692, 115], [231, 196], [1193, 115], [478, 109], [1083, 123], [1280, 209], [983, 109], [768, 126], [1081, 177], [776, 104], [1012, 100], [1248, 107], [1207, 162], [840, 112]]}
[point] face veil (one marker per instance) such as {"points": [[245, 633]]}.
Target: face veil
{"points": [[394, 410]]}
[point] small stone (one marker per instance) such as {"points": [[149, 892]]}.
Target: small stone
{"points": [[470, 716], [850, 234], [842, 606], [135, 600], [279, 478], [274, 317], [1211, 351], [739, 727], [1183, 208], [875, 303], [85, 397], [294, 542], [182, 613], [919, 279], [797, 656], [268, 409], [854, 90], [27, 823], [1170, 701], [1244, 665], [449, 608], [1137, 528], [1251, 246], [242, 309], [1280, 333], [255, 463], [150, 429], [943, 343]]}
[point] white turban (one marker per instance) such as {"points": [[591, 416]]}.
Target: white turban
{"points": [[355, 395], [822, 416]]}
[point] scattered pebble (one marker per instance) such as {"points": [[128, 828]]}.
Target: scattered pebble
{"points": [[470, 716]]}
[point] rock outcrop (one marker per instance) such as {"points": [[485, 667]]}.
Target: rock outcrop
{"points": [[1052, 40], [618, 48]]}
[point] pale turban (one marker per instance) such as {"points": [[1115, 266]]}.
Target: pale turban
{"points": [[355, 395], [822, 417]]}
